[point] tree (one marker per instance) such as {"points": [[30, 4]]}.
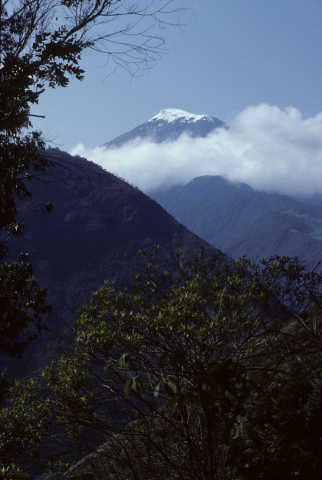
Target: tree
{"points": [[42, 42], [176, 379], [278, 436]]}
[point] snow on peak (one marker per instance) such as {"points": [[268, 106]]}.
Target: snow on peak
{"points": [[173, 114]]}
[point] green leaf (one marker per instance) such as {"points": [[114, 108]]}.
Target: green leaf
{"points": [[128, 387], [156, 387], [174, 401], [134, 383], [173, 383], [171, 386], [125, 360], [137, 383]]}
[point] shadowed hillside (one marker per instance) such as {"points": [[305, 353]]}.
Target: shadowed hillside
{"points": [[98, 224]]}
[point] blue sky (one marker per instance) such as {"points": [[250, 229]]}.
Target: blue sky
{"points": [[234, 54]]}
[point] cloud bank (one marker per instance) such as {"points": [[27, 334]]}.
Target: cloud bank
{"points": [[268, 148]]}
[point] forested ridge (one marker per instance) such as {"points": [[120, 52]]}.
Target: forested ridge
{"points": [[97, 225]]}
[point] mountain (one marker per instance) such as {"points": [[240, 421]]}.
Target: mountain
{"points": [[168, 125], [98, 224], [315, 199], [240, 221]]}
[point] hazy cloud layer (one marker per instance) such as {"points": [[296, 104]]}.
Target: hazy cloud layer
{"points": [[268, 148]]}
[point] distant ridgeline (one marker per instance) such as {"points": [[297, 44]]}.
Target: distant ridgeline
{"points": [[240, 221]]}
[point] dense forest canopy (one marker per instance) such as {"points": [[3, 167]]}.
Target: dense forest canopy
{"points": [[210, 369]]}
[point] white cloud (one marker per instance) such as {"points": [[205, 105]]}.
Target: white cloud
{"points": [[268, 148]]}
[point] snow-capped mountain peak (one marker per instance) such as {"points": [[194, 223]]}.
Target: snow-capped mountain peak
{"points": [[172, 114], [167, 126]]}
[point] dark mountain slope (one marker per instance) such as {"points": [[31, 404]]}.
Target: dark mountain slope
{"points": [[98, 224], [239, 220], [100, 231]]}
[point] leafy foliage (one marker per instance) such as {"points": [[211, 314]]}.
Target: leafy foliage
{"points": [[207, 370], [19, 305], [278, 436]]}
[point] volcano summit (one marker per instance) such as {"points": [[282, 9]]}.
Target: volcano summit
{"points": [[168, 125]]}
